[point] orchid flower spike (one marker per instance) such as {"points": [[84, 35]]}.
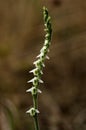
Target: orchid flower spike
{"points": [[39, 65]]}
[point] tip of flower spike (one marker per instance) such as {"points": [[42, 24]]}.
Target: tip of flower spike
{"points": [[44, 7]]}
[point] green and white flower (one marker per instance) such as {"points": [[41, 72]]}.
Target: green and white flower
{"points": [[32, 111], [34, 90]]}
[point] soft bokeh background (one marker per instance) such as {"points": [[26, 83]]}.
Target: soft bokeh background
{"points": [[62, 103]]}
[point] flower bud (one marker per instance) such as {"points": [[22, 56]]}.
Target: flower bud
{"points": [[32, 111]]}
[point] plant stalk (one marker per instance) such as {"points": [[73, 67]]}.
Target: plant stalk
{"points": [[39, 64], [35, 104]]}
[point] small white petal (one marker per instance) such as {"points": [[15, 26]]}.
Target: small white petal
{"points": [[43, 64], [48, 50], [40, 81], [43, 49], [37, 111], [34, 71], [46, 41], [31, 109], [32, 80], [40, 55], [28, 111], [29, 90], [39, 91], [31, 71], [41, 72], [47, 57], [45, 24]]}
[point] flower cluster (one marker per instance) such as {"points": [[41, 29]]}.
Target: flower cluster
{"points": [[39, 63]]}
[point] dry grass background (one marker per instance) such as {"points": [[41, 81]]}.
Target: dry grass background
{"points": [[63, 101]]}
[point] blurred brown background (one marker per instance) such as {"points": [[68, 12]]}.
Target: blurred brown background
{"points": [[62, 103]]}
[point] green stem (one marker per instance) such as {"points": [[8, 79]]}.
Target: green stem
{"points": [[35, 103], [36, 122]]}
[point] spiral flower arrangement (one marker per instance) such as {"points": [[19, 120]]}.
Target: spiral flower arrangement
{"points": [[38, 70]]}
